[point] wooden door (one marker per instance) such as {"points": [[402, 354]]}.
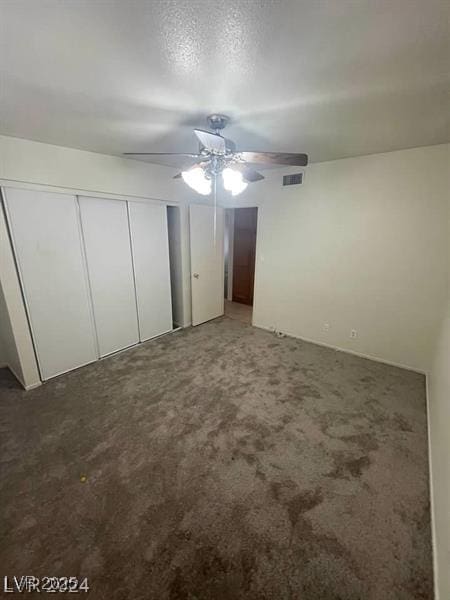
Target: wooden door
{"points": [[244, 252]]}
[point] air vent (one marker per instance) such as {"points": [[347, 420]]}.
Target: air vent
{"points": [[294, 179]]}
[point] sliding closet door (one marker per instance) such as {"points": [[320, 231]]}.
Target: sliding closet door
{"points": [[150, 243], [107, 242], [46, 237]]}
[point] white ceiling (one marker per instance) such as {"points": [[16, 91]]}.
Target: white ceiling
{"points": [[332, 78]]}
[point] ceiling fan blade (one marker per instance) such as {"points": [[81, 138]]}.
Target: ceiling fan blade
{"points": [[161, 154], [275, 158], [248, 173], [211, 141], [230, 145]]}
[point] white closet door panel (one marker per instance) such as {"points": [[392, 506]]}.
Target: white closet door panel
{"points": [[107, 242], [46, 236], [150, 245]]}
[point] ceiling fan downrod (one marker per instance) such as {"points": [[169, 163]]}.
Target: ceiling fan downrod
{"points": [[217, 122]]}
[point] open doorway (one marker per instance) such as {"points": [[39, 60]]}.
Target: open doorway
{"points": [[240, 254]]}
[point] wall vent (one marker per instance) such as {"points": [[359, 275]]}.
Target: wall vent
{"points": [[294, 179]]}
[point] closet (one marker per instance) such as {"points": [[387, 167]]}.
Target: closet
{"points": [[95, 274]]}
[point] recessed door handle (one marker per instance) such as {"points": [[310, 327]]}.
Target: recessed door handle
{"points": [[196, 275]]}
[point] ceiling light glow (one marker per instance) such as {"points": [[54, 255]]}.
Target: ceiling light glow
{"points": [[197, 180], [233, 181]]}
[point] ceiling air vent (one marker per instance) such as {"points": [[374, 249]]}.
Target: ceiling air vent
{"points": [[294, 179]]}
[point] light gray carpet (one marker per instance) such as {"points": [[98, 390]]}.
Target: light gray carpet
{"points": [[221, 463]]}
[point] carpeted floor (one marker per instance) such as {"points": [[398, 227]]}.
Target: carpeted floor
{"points": [[221, 463]]}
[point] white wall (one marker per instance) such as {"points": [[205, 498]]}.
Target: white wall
{"points": [[34, 162], [360, 245], [439, 420]]}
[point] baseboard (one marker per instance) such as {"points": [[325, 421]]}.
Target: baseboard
{"points": [[31, 386], [430, 483], [346, 351]]}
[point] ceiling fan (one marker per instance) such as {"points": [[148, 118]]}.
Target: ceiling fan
{"points": [[218, 155]]}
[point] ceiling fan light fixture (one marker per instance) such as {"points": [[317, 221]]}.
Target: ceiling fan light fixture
{"points": [[233, 181], [197, 180]]}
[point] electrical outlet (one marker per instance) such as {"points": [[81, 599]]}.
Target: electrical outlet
{"points": [[353, 333], [326, 326]]}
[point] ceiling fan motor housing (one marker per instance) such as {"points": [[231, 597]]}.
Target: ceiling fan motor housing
{"points": [[217, 121]]}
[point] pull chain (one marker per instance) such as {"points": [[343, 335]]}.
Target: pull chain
{"points": [[215, 208]]}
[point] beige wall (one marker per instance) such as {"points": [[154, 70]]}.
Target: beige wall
{"points": [[360, 245]]}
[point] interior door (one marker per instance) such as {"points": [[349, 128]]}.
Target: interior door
{"points": [[47, 242], [244, 253], [207, 266], [108, 252], [150, 245]]}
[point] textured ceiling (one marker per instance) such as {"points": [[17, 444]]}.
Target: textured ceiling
{"points": [[330, 78]]}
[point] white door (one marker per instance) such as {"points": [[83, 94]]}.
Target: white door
{"points": [[207, 268], [108, 252], [47, 241], [150, 245]]}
